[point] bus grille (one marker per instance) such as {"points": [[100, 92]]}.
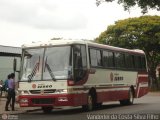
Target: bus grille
{"points": [[39, 91], [42, 100]]}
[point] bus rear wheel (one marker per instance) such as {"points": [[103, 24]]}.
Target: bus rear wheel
{"points": [[130, 100], [47, 109]]}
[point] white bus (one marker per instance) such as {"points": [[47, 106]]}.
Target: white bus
{"points": [[80, 73]]}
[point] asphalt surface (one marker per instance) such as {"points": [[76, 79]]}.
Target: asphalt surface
{"points": [[145, 108]]}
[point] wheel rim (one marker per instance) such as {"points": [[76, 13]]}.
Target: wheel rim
{"points": [[90, 104], [131, 97]]}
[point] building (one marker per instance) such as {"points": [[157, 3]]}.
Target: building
{"points": [[8, 56]]}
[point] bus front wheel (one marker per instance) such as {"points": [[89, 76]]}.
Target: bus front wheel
{"points": [[47, 109]]}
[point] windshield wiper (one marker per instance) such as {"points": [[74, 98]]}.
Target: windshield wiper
{"points": [[50, 70], [33, 73]]}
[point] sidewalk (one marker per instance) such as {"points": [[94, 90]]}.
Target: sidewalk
{"points": [[18, 109]]}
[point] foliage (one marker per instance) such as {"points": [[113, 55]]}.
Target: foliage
{"points": [[136, 33], [143, 4]]}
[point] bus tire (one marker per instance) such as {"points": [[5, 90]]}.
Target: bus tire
{"points": [[98, 105], [130, 100], [47, 109], [0, 92], [90, 103], [131, 97]]}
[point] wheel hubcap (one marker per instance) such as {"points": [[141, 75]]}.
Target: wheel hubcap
{"points": [[90, 102], [131, 97]]}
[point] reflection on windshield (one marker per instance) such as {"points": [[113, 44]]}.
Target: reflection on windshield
{"points": [[55, 63], [32, 64]]}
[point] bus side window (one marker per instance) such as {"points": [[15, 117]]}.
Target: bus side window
{"points": [[80, 62], [95, 57], [129, 59], [143, 63], [111, 62], [140, 62]]}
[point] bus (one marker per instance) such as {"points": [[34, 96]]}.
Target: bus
{"points": [[61, 73]]}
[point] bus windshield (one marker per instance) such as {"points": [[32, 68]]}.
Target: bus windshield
{"points": [[50, 63]]}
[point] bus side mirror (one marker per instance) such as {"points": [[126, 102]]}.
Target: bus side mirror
{"points": [[14, 64]]}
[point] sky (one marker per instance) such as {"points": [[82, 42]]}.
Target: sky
{"points": [[27, 21]]}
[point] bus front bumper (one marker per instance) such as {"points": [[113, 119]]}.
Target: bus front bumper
{"points": [[52, 100]]}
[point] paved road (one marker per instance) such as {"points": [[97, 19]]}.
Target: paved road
{"points": [[147, 107]]}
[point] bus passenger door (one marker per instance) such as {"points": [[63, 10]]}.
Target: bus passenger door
{"points": [[79, 62]]}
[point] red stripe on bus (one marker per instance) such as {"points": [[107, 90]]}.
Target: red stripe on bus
{"points": [[112, 96]]}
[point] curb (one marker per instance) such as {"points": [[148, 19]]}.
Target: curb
{"points": [[34, 110]]}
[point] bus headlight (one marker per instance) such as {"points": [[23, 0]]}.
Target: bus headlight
{"points": [[61, 91], [62, 99], [23, 92], [24, 100]]}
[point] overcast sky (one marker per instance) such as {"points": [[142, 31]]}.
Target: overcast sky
{"points": [[24, 21]]}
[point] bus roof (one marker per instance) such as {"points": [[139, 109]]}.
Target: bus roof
{"points": [[112, 48], [85, 42], [54, 43]]}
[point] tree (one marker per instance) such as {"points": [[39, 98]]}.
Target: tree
{"points": [[137, 33], [143, 4]]}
